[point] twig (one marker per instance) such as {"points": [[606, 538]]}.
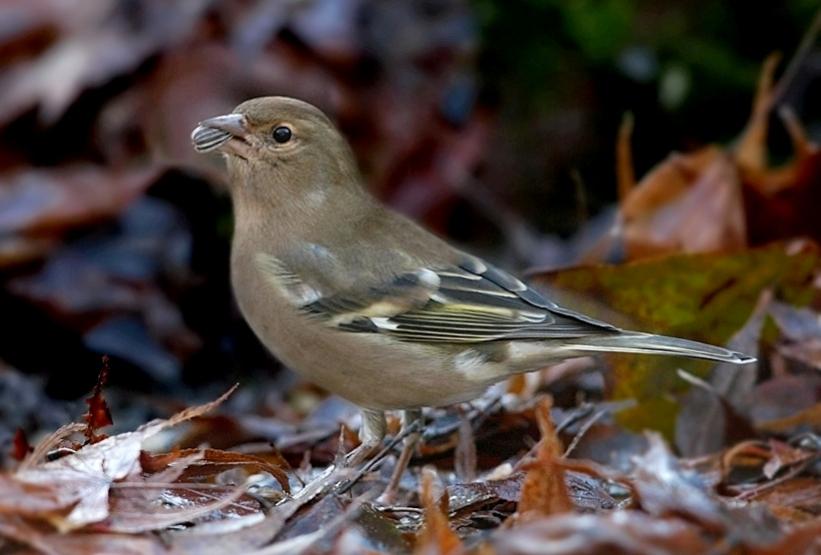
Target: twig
{"points": [[583, 430], [797, 60], [752, 493], [344, 487], [566, 423]]}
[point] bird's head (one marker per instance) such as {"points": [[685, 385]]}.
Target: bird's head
{"points": [[277, 146]]}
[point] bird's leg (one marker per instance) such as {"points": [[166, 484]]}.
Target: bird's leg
{"points": [[412, 425], [371, 433]]}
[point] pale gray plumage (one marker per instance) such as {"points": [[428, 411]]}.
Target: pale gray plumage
{"points": [[365, 302]]}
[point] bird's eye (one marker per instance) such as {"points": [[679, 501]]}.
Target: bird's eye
{"points": [[282, 134]]}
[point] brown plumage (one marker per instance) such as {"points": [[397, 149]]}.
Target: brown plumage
{"points": [[363, 301]]}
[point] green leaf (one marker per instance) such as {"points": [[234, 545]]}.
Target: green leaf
{"points": [[706, 297]]}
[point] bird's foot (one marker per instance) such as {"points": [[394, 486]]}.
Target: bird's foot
{"points": [[371, 433], [412, 431], [360, 454]]}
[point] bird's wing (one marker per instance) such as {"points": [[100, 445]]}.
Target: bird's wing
{"points": [[466, 302]]}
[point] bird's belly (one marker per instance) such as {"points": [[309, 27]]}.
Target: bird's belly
{"points": [[371, 373], [370, 370]]}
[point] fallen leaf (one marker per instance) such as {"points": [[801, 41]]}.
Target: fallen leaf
{"points": [[630, 532], [436, 536], [79, 483], [690, 203], [20, 447], [100, 43], [783, 456], [800, 540], [49, 543], [664, 489], [808, 419], [544, 491], [783, 398], [801, 494], [706, 297], [98, 414], [212, 462], [40, 201], [750, 152], [717, 413]]}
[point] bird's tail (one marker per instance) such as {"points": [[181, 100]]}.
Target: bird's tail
{"points": [[648, 343]]}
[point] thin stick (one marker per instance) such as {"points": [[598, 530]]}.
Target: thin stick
{"points": [[582, 431], [804, 49], [371, 464]]}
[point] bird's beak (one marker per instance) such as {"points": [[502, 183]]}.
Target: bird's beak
{"points": [[216, 133]]}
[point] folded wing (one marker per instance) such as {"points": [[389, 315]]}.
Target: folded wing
{"points": [[468, 302]]}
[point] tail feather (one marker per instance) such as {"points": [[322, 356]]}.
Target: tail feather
{"points": [[648, 343]]}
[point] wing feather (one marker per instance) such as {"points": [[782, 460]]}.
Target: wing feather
{"points": [[469, 302]]}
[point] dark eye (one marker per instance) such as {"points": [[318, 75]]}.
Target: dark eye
{"points": [[282, 134]]}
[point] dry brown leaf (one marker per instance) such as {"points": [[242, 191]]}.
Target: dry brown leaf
{"points": [[21, 250], [20, 447], [211, 462], [630, 532], [689, 203], [801, 540], [666, 182], [800, 496], [625, 172], [98, 414], [436, 536], [79, 483], [665, 489], [50, 442], [715, 413], [98, 42], [38, 201], [715, 200], [750, 152], [544, 491], [132, 514], [783, 455], [807, 418], [49, 543]]}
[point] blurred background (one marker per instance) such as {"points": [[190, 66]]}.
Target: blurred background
{"points": [[494, 122]]}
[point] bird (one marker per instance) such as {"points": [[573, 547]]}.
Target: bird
{"points": [[365, 302]]}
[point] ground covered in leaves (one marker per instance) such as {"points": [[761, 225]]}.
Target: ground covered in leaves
{"points": [[121, 429], [509, 473]]}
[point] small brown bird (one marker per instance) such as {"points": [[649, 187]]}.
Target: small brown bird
{"points": [[366, 303]]}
